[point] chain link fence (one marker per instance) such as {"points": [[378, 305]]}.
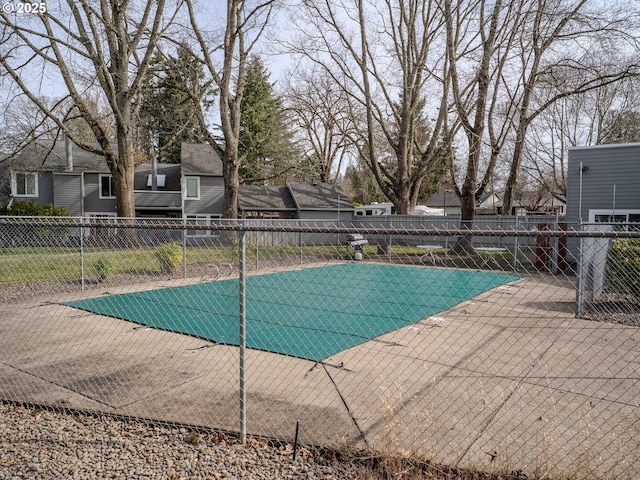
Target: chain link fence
{"points": [[520, 354]]}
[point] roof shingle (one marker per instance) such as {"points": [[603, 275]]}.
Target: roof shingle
{"points": [[265, 198]]}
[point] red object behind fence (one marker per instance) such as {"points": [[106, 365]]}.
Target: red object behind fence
{"points": [[544, 251]]}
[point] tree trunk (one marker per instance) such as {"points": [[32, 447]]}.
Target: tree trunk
{"points": [[464, 245], [510, 187], [231, 182], [403, 205], [123, 173]]}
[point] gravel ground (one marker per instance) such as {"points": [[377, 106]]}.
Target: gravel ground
{"points": [[44, 444]]}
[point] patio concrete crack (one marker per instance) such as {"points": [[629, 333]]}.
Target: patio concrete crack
{"points": [[361, 435]]}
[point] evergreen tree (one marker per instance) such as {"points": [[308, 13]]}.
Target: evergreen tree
{"points": [[167, 113], [363, 186], [265, 148], [621, 127]]}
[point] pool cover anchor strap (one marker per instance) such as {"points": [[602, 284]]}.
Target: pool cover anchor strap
{"points": [[202, 347], [339, 366], [386, 343]]}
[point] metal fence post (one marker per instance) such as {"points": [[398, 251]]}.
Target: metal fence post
{"points": [[184, 251], [257, 251], [580, 275], [243, 338], [82, 255], [516, 247]]}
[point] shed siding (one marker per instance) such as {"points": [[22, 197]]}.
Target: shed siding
{"points": [[211, 197], [92, 201], [604, 166], [68, 193], [45, 189]]}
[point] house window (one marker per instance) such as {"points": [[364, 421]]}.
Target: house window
{"points": [[107, 187], [25, 185], [610, 218], [621, 219], [192, 187]]}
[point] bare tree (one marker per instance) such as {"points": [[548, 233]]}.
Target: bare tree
{"points": [[321, 113], [568, 47], [226, 62], [100, 46], [25, 123], [572, 121], [619, 112], [480, 39], [377, 53]]}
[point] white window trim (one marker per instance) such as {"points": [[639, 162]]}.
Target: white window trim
{"points": [[14, 185], [186, 190], [100, 177], [610, 211]]}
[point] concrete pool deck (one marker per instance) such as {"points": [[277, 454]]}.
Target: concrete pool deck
{"points": [[509, 379]]}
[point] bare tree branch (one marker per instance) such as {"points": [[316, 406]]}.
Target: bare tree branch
{"points": [[77, 43]]}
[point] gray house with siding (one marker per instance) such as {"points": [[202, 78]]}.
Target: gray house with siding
{"points": [[603, 184], [202, 185], [64, 175], [266, 201]]}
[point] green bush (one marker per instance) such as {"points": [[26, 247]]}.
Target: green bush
{"points": [[21, 208], [169, 256], [36, 234], [103, 268], [623, 267]]}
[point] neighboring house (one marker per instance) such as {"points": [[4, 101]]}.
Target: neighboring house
{"points": [[272, 202], [603, 184], [45, 174], [517, 208], [321, 201], [537, 204], [202, 185], [63, 174], [450, 203], [296, 200], [375, 208]]}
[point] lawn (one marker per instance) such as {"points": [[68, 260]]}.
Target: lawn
{"points": [[26, 265], [23, 265]]}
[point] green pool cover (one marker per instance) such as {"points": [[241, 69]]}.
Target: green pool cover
{"points": [[309, 313]]}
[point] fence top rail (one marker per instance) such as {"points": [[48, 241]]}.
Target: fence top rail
{"points": [[303, 226]]}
